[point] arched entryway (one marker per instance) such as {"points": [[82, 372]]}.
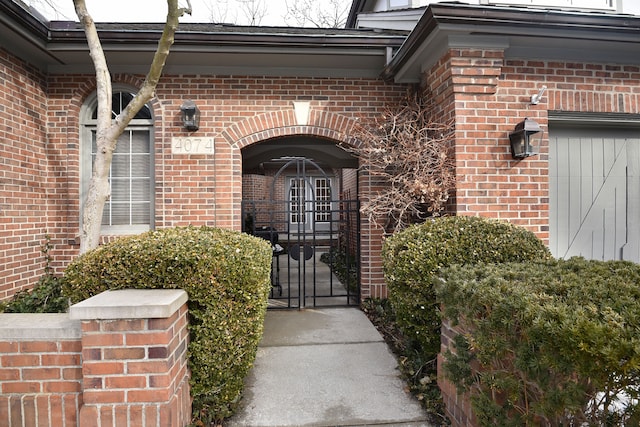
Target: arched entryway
{"points": [[300, 193]]}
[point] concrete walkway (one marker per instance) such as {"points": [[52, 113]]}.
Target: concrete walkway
{"points": [[327, 367]]}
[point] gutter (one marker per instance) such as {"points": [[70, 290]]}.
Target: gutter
{"points": [[26, 16], [27, 27], [28, 35], [206, 35]]}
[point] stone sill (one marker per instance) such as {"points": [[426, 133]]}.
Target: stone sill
{"points": [[130, 304], [38, 326], [120, 304]]}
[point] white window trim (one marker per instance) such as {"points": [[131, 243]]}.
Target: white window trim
{"points": [[86, 125]]}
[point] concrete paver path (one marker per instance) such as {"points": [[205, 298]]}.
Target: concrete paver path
{"points": [[327, 367]]}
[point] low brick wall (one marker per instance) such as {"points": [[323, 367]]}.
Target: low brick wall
{"points": [[40, 370], [117, 359], [457, 406]]}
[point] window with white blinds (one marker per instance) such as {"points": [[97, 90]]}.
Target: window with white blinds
{"points": [[130, 207], [130, 180]]}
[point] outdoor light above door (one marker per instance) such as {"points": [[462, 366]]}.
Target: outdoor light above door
{"points": [[525, 139], [190, 114]]}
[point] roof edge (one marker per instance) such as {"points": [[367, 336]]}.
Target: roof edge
{"points": [[512, 21], [25, 16], [357, 6]]}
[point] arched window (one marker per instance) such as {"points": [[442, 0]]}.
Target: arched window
{"points": [[130, 209]]}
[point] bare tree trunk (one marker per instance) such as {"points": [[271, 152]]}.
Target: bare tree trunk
{"points": [[108, 131]]}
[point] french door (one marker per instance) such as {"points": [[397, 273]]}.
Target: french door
{"points": [[309, 203]]}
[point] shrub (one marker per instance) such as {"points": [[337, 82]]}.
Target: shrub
{"points": [[45, 297], [227, 277], [344, 265], [412, 257], [556, 342]]}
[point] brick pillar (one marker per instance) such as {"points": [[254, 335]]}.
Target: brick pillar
{"points": [[134, 350]]}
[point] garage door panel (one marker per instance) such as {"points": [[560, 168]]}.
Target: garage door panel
{"points": [[594, 194], [594, 232], [587, 182], [631, 248], [560, 220]]}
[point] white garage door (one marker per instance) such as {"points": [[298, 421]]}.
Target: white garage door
{"points": [[594, 190]]}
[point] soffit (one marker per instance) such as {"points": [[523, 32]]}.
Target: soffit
{"points": [[324, 152], [24, 33]]}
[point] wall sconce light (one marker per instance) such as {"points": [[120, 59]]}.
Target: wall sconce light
{"points": [[190, 114], [525, 139]]}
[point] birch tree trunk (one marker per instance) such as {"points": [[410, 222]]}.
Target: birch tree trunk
{"points": [[109, 130]]}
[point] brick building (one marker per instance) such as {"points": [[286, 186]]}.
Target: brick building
{"points": [[267, 95]]}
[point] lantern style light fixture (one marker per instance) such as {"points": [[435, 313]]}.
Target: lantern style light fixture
{"points": [[190, 114], [525, 139]]}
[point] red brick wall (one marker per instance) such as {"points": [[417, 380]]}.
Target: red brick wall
{"points": [[254, 187], [349, 192], [135, 372], [488, 107], [371, 238], [118, 373], [488, 96], [24, 174], [457, 406], [267, 198], [41, 383], [236, 112]]}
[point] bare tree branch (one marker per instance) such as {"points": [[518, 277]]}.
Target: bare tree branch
{"points": [[406, 153], [254, 10], [49, 8], [325, 14], [219, 12]]}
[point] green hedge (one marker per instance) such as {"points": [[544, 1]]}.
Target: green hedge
{"points": [[556, 342], [412, 257], [45, 297], [227, 277]]}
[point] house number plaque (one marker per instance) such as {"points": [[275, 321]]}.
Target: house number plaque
{"points": [[191, 145]]}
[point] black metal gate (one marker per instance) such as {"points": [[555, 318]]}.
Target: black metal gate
{"points": [[314, 235]]}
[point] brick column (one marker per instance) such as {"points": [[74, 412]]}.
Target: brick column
{"points": [[134, 350]]}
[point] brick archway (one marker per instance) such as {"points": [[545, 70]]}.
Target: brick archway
{"points": [[259, 128], [284, 123], [319, 123]]}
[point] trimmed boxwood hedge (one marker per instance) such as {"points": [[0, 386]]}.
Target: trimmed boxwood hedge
{"points": [[412, 257], [553, 343], [227, 277]]}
